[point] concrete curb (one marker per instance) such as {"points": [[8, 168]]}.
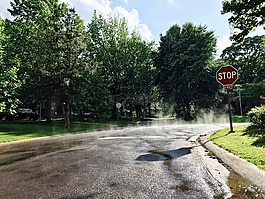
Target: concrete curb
{"points": [[239, 165]]}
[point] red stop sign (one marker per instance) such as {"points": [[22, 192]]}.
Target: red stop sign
{"points": [[227, 75]]}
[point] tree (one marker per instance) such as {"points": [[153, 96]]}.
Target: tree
{"points": [[73, 59], [139, 73], [36, 31], [185, 77], [53, 50], [9, 82], [91, 94], [246, 15], [248, 57], [124, 59]]}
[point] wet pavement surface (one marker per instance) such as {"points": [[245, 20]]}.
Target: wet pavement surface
{"points": [[159, 161]]}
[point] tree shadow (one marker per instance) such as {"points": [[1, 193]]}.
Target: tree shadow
{"points": [[203, 142], [160, 155], [220, 136], [254, 131]]}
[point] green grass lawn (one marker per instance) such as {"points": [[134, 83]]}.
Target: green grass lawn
{"points": [[240, 118], [246, 142], [19, 131]]}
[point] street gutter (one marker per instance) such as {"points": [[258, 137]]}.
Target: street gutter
{"points": [[237, 164]]}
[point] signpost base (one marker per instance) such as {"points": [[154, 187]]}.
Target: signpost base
{"points": [[230, 112]]}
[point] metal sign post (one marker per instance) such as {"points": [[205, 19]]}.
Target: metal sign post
{"points": [[230, 111], [118, 106], [239, 89], [227, 76]]}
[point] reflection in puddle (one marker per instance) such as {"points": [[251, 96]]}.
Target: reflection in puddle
{"points": [[242, 188], [169, 164], [211, 155], [9, 157]]}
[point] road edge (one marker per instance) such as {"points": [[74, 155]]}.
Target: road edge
{"points": [[237, 164]]}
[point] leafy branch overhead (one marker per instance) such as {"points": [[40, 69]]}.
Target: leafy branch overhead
{"points": [[246, 16]]}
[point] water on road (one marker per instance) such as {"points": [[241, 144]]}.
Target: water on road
{"points": [[158, 161]]}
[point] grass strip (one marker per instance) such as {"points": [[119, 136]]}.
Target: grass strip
{"points": [[246, 142], [19, 131]]}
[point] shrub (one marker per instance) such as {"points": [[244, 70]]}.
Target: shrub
{"points": [[257, 116]]}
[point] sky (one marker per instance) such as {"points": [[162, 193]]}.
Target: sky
{"points": [[154, 17]]}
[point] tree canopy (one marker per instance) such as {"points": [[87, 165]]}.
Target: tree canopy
{"points": [[248, 57], [184, 69], [246, 15], [48, 56], [9, 81], [51, 45], [125, 60]]}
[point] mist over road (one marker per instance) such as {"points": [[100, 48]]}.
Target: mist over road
{"points": [[159, 161]]}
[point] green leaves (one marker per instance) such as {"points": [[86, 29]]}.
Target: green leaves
{"points": [[50, 44], [183, 63], [125, 59], [246, 15], [9, 82], [248, 56], [257, 116]]}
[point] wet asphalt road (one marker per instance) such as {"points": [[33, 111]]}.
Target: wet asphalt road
{"points": [[138, 162]]}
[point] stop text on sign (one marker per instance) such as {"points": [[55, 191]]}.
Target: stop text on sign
{"points": [[226, 75]]}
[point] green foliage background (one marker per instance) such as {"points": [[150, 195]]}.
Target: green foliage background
{"points": [[49, 57]]}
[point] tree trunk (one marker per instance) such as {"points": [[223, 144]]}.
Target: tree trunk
{"points": [[48, 111], [114, 111], [188, 116], [149, 110], [66, 115], [138, 110]]}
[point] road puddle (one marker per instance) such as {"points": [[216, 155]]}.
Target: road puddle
{"points": [[164, 155], [242, 188], [10, 156]]}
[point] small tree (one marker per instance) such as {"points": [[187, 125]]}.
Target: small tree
{"points": [[91, 93]]}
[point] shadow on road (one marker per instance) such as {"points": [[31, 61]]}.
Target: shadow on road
{"points": [[160, 155]]}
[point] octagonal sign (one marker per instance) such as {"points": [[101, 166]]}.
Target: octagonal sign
{"points": [[227, 75]]}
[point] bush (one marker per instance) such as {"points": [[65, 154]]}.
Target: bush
{"points": [[257, 116]]}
